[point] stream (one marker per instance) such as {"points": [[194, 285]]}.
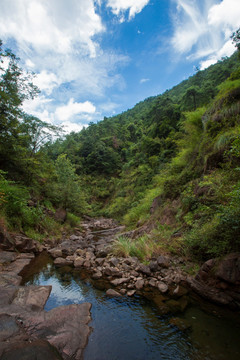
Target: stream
{"points": [[131, 328]]}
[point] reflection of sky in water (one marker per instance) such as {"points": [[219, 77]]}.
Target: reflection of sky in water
{"points": [[131, 329]]}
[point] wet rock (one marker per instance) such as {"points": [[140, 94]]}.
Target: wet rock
{"points": [[139, 284], [55, 252], [181, 324], [109, 271], [7, 257], [180, 291], [87, 264], [153, 265], [100, 261], [60, 215], [163, 261], [75, 237], [78, 262], [64, 327], [8, 327], [114, 261], [97, 275], [229, 268], [112, 293], [62, 262], [118, 282], [177, 306], [31, 296], [152, 282], [123, 291], [36, 349], [162, 287], [144, 269], [131, 292]]}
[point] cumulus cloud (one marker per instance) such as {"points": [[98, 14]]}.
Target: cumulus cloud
{"points": [[59, 41], [54, 25], [203, 28], [66, 112], [119, 7]]}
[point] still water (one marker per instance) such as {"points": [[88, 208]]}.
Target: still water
{"points": [[132, 328]]}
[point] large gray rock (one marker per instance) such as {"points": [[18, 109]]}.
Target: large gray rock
{"points": [[64, 327], [229, 269], [36, 349], [112, 293], [32, 296]]}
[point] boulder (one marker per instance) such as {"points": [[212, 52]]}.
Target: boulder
{"points": [[55, 252], [32, 296], [139, 284], [78, 262], [97, 275], [64, 327], [62, 262], [163, 261], [112, 293], [36, 349], [162, 287], [144, 269], [60, 215], [117, 282], [229, 269]]}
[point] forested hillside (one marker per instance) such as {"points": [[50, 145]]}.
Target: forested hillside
{"points": [[171, 163]]}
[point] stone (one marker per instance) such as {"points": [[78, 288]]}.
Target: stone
{"points": [[152, 282], [33, 296], [181, 324], [62, 262], [75, 237], [64, 327], [131, 292], [87, 264], [114, 261], [163, 261], [78, 262], [229, 268], [60, 215], [123, 291], [112, 293], [162, 287], [100, 261], [97, 275], [8, 327], [117, 282], [55, 252], [36, 349], [145, 269], [180, 291], [139, 284], [153, 265]]}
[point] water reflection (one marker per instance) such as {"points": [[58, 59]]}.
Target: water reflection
{"points": [[131, 328]]}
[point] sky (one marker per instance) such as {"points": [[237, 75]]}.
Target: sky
{"points": [[97, 58]]}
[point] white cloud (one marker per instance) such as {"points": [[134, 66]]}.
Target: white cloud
{"points": [[203, 28], [58, 39], [68, 126], [142, 81], [120, 6], [66, 112], [54, 25]]}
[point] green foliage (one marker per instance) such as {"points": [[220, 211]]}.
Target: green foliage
{"points": [[142, 247], [73, 220]]}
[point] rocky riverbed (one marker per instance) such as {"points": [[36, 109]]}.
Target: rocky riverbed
{"points": [[162, 280], [62, 333], [29, 332]]}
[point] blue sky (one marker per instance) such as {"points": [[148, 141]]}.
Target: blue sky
{"points": [[96, 58]]}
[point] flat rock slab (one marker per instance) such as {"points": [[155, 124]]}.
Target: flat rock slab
{"points": [[37, 349], [64, 327], [33, 296]]}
